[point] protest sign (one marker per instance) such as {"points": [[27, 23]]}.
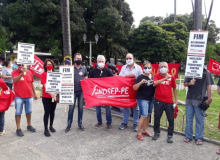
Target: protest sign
{"points": [[196, 54], [54, 81], [67, 86], [117, 92], [25, 53]]}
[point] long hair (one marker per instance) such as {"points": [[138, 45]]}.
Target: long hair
{"points": [[45, 64]]}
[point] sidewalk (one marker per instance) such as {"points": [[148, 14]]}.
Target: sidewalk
{"points": [[92, 143]]}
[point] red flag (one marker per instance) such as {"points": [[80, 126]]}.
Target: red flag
{"points": [[173, 68], [6, 96], [38, 68], [176, 110], [214, 66], [112, 91]]}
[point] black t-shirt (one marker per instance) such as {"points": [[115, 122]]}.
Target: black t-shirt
{"points": [[218, 82], [96, 73], [146, 91]]}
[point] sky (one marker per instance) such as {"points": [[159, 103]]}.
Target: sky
{"points": [[142, 8]]}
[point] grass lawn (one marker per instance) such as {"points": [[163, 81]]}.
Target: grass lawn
{"points": [[211, 121]]}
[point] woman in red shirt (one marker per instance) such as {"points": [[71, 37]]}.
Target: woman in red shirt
{"points": [[49, 106]]}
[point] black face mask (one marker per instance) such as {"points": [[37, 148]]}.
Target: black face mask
{"points": [[78, 62]]}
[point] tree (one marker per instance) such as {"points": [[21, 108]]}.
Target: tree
{"points": [[112, 21], [152, 42]]}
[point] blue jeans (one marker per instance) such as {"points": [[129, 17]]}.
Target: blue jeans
{"points": [[19, 102], [77, 95], [190, 111], [2, 121], [126, 113], [145, 107], [108, 114]]}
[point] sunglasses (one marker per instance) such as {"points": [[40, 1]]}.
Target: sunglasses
{"points": [[147, 67], [128, 58], [20, 65]]}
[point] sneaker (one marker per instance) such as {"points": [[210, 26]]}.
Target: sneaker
{"points": [[108, 126], [156, 136], [52, 129], [98, 125], [47, 133], [19, 133], [81, 127], [67, 129], [169, 140], [30, 128], [2, 133], [123, 126], [135, 128]]}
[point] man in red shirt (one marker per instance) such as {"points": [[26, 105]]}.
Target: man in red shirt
{"points": [[24, 92], [164, 83]]}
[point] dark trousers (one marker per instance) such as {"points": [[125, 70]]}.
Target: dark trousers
{"points": [[159, 107], [2, 121], [9, 85], [49, 111]]}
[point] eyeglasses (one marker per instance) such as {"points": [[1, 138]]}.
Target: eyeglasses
{"points": [[20, 65], [147, 67], [49, 64], [128, 58], [101, 73]]}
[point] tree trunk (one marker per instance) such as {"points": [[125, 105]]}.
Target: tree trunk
{"points": [[198, 14], [65, 15]]}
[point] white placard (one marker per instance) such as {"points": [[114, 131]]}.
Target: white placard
{"points": [[54, 81], [25, 53], [196, 54], [67, 88]]}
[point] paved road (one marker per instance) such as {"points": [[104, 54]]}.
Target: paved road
{"points": [[92, 143]]}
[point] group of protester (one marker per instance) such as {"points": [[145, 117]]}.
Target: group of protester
{"points": [[152, 92]]}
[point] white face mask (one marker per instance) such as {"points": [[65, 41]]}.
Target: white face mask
{"points": [[147, 71], [129, 61], [163, 70], [101, 65]]}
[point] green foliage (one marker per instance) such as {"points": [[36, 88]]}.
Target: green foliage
{"points": [[152, 42]]}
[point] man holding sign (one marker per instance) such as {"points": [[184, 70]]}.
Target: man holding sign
{"points": [[80, 73], [24, 92]]}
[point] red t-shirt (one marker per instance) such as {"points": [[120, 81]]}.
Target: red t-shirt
{"points": [[43, 81], [23, 87], [163, 91]]}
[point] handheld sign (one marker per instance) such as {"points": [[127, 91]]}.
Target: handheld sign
{"points": [[196, 54], [54, 81], [67, 87], [25, 54]]}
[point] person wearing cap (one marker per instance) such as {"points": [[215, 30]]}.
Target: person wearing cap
{"points": [[24, 93]]}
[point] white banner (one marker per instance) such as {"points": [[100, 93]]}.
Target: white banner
{"points": [[54, 81], [196, 54], [25, 53], [67, 88]]}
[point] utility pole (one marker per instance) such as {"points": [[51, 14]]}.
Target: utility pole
{"points": [[198, 15], [174, 10]]}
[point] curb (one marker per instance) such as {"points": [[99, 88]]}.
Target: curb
{"points": [[165, 129]]}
